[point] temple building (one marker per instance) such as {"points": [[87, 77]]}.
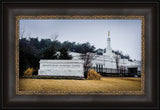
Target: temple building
{"points": [[109, 59]]}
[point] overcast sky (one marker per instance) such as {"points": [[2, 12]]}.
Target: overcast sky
{"points": [[125, 34]]}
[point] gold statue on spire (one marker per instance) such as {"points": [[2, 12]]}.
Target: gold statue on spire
{"points": [[108, 33]]}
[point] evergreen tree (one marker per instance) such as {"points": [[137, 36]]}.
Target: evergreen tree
{"points": [[64, 54], [49, 53], [28, 55]]}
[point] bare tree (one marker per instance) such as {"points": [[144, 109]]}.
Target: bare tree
{"points": [[22, 33], [117, 60], [54, 37], [28, 35], [88, 58]]}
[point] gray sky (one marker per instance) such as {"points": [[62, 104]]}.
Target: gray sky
{"points": [[125, 34]]}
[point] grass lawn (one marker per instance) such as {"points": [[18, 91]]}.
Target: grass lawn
{"points": [[105, 84]]}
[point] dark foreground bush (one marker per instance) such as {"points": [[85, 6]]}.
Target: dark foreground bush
{"points": [[52, 77], [85, 74]]}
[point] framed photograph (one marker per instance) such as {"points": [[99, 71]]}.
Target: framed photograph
{"points": [[83, 55], [79, 57]]}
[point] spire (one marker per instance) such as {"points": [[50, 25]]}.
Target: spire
{"points": [[108, 33], [108, 49]]}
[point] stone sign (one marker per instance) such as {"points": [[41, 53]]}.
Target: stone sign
{"points": [[61, 68]]}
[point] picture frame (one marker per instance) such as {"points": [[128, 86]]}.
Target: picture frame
{"points": [[24, 8]]}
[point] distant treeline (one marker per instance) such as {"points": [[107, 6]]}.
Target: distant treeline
{"points": [[32, 50]]}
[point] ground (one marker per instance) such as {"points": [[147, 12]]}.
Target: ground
{"points": [[105, 84]]}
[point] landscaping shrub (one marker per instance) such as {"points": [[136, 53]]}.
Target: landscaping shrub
{"points": [[29, 72], [93, 75]]}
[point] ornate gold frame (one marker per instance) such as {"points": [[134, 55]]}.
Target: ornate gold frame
{"points": [[142, 92]]}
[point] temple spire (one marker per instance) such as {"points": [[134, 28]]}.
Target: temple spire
{"points": [[108, 33], [109, 49]]}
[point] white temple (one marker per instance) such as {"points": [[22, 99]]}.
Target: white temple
{"points": [[108, 59]]}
